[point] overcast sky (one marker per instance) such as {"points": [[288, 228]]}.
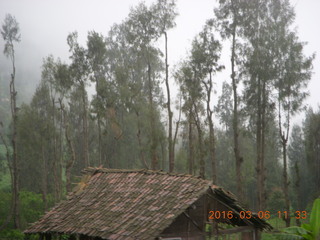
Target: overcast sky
{"points": [[45, 25]]}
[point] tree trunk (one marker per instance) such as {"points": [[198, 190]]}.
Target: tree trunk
{"points": [[235, 121], [284, 140], [258, 149], [15, 160], [190, 142], [211, 130], [297, 191], [263, 146], [10, 214], [212, 152], [72, 159], [99, 142], [60, 155], [163, 154], [154, 143], [261, 130], [201, 153], [285, 182], [85, 127], [200, 141], [170, 114], [44, 178], [99, 126], [176, 131], [142, 158], [55, 162]]}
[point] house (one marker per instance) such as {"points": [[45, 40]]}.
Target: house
{"points": [[144, 204]]}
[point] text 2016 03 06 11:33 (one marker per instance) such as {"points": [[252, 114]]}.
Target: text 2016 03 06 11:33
{"points": [[250, 214]]}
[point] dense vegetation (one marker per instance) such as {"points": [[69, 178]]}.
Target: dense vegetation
{"points": [[244, 142]]}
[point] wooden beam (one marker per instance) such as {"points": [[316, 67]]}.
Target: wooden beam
{"points": [[194, 223], [236, 230], [235, 211]]}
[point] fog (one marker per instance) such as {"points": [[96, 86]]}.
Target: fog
{"points": [[45, 25]]}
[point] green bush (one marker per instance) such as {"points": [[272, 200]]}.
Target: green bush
{"points": [[307, 231], [11, 234], [276, 200], [31, 207], [5, 204]]}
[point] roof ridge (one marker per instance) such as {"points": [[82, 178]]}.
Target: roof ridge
{"points": [[94, 170]]}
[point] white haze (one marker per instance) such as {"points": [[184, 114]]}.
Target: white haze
{"points": [[45, 25]]}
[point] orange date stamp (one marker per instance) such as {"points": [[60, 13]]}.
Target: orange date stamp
{"points": [[260, 214]]}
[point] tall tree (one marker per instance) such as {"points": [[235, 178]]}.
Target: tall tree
{"points": [[287, 71], [293, 77], [70, 144], [205, 54], [228, 15], [36, 136], [258, 62], [298, 167], [48, 77], [125, 83], [131, 90], [79, 70], [63, 84], [192, 96], [224, 107], [312, 145], [143, 33], [165, 11], [11, 34], [97, 54]]}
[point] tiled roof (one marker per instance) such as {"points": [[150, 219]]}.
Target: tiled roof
{"points": [[123, 204]]}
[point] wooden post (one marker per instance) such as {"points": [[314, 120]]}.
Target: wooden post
{"points": [[257, 234], [26, 237], [72, 237], [48, 236], [247, 236]]}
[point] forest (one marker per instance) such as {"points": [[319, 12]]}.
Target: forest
{"points": [[145, 113]]}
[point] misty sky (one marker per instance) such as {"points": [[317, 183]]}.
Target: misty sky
{"points": [[45, 25]]}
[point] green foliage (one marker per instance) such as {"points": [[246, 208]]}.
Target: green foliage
{"points": [[13, 234], [5, 182], [65, 237], [181, 164], [301, 176], [36, 136], [3, 161], [296, 231], [268, 236], [125, 119], [315, 218], [5, 204], [224, 106], [276, 200], [312, 150], [308, 231], [10, 33], [31, 205]]}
